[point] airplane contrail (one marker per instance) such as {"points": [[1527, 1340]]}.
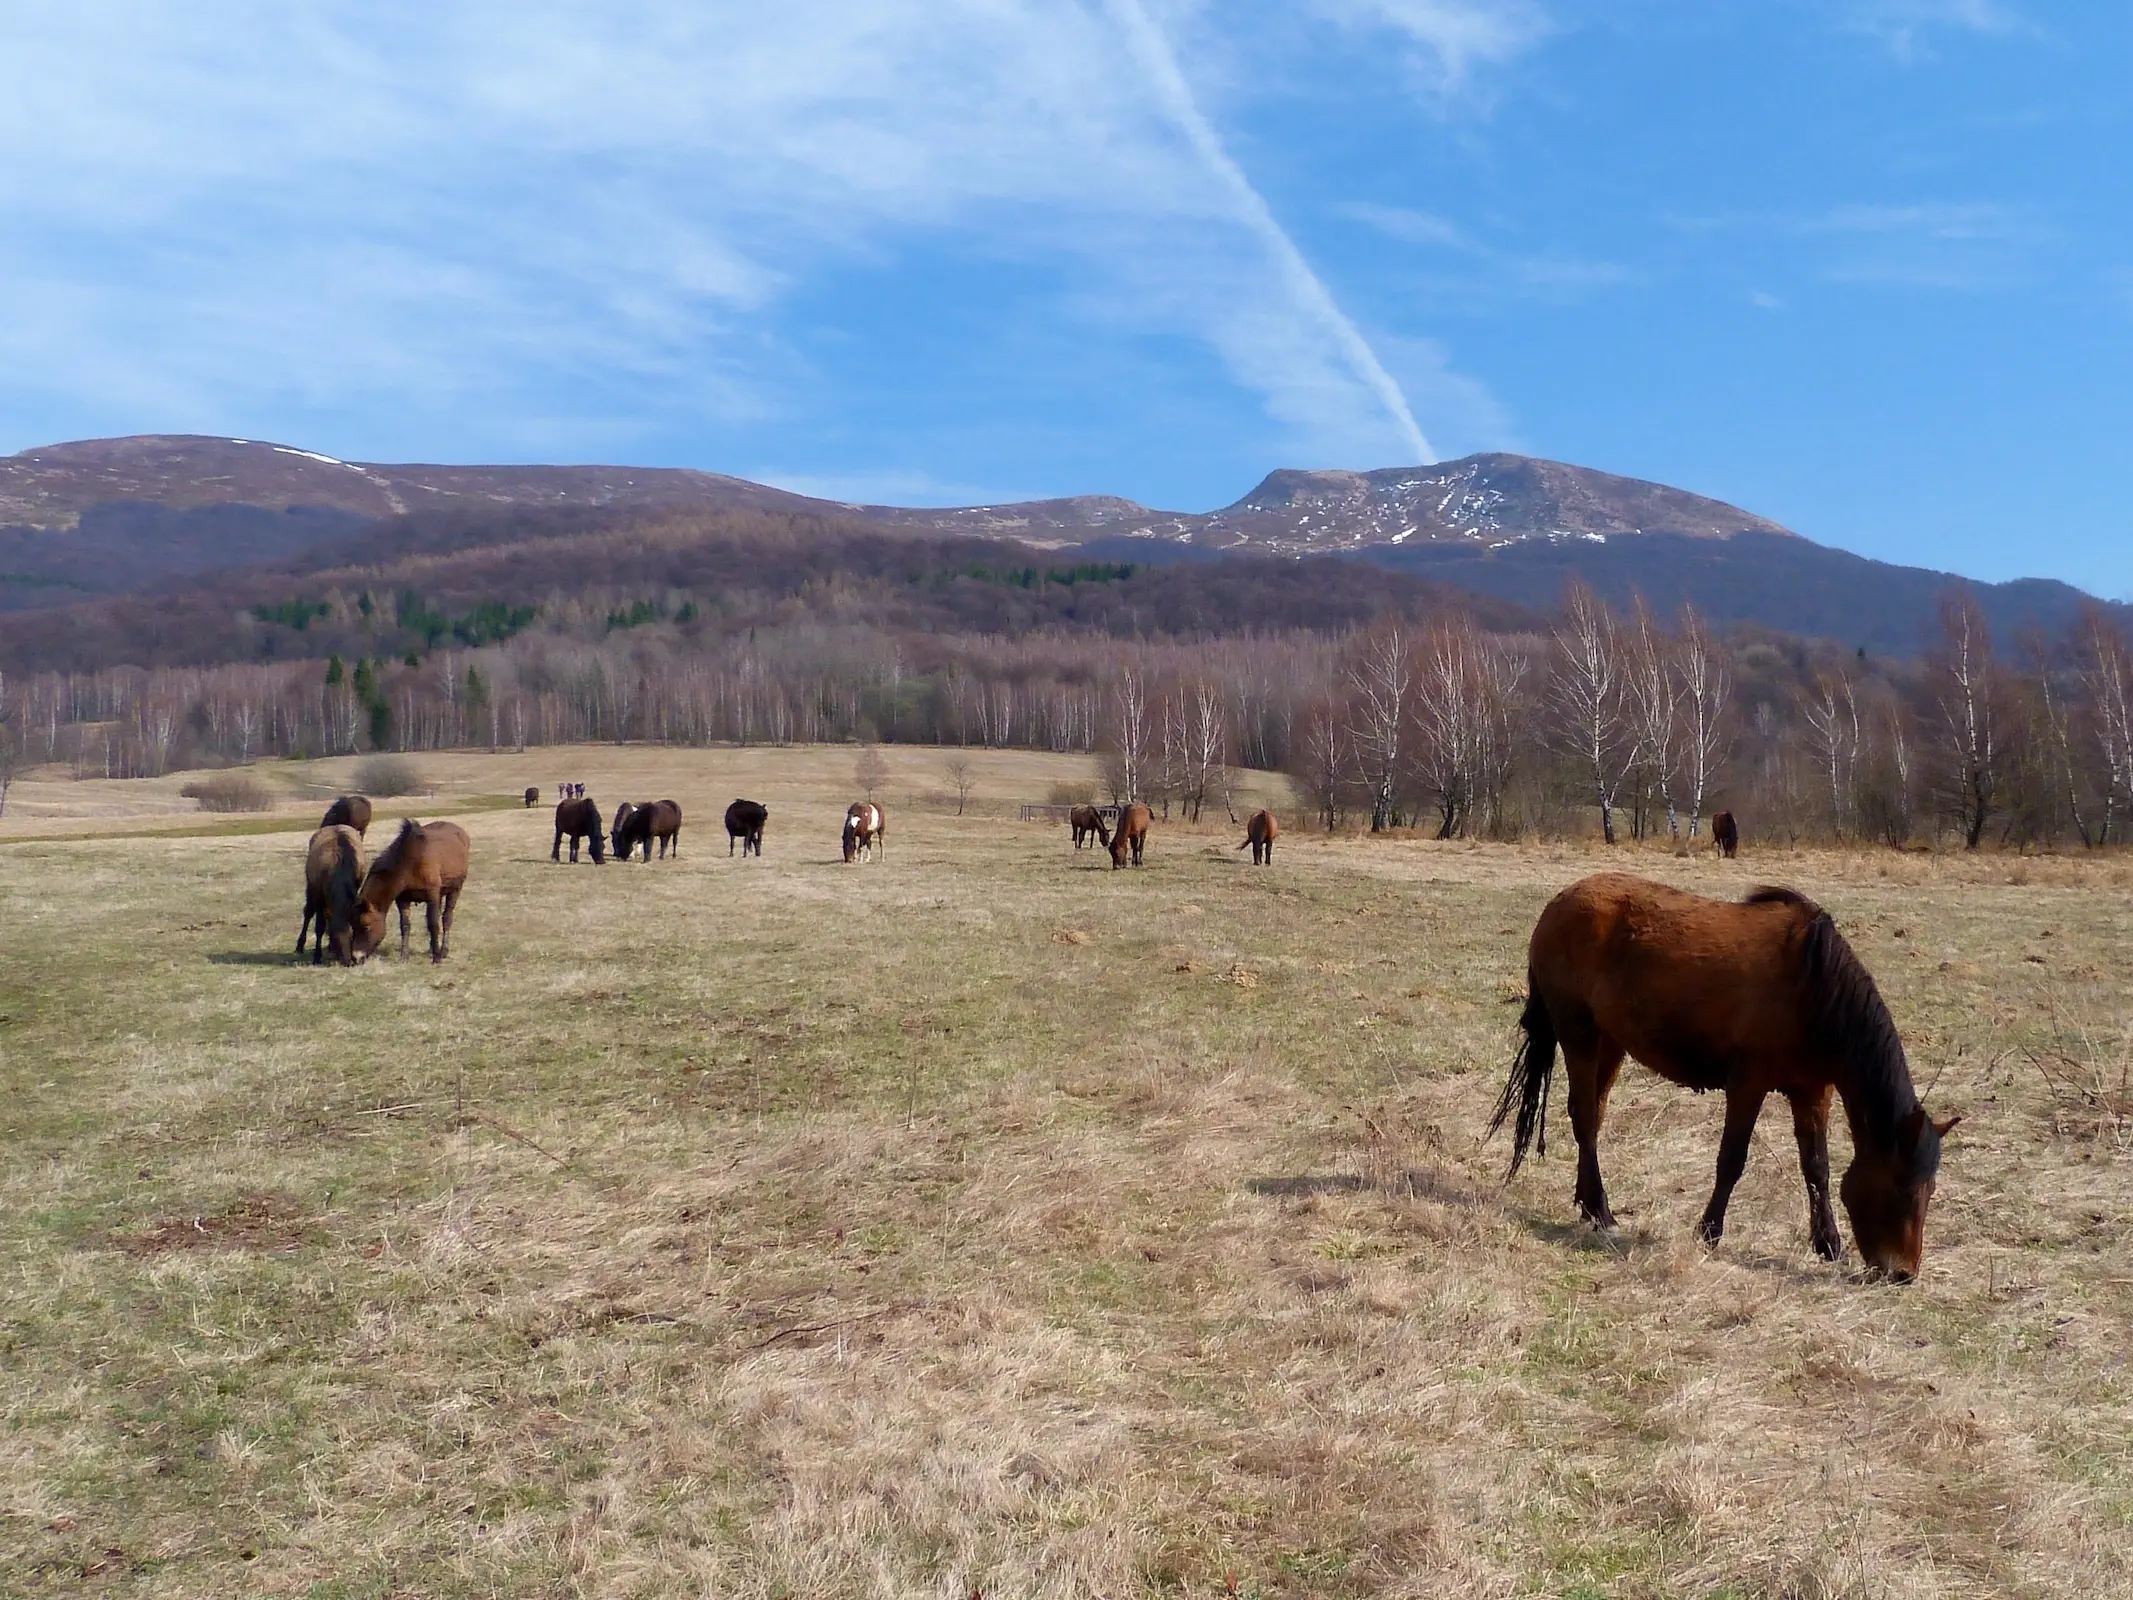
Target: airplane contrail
{"points": [[1155, 54]]}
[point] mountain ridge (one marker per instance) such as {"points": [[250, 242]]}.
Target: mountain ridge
{"points": [[97, 519]]}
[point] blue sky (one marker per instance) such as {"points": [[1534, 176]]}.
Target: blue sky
{"points": [[1864, 266]]}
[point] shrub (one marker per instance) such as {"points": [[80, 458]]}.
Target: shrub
{"points": [[382, 777], [230, 791], [1070, 794]]}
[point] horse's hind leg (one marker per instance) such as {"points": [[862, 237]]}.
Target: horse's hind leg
{"points": [[1810, 1125], [451, 903], [303, 930], [1594, 1061], [1743, 1106]]}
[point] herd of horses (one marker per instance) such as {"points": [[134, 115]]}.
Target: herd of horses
{"points": [[1747, 998]]}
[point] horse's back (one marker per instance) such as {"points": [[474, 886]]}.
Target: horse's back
{"points": [[1685, 984]]}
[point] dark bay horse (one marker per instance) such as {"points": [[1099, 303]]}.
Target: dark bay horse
{"points": [[533, 798], [1752, 997], [333, 876], [1725, 833], [577, 820], [1132, 835], [427, 862], [744, 825], [864, 826], [1260, 834], [641, 824], [350, 811], [1087, 823]]}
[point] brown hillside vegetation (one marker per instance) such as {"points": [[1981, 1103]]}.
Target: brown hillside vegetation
{"points": [[740, 570], [990, 1222]]}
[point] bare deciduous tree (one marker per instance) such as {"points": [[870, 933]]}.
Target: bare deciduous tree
{"points": [[1967, 689], [2106, 676], [1127, 766], [962, 779], [869, 771], [1381, 685], [1829, 708], [1706, 681], [1591, 726], [1322, 759], [1652, 699]]}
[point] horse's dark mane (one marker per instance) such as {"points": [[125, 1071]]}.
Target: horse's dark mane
{"points": [[1854, 1020]]}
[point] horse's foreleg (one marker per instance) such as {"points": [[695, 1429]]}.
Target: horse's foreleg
{"points": [[1593, 1065], [1810, 1125], [433, 914], [1743, 1106], [403, 930]]}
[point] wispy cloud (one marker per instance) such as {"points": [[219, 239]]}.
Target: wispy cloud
{"points": [[1544, 271], [1908, 27], [438, 213], [1945, 245], [1447, 40]]}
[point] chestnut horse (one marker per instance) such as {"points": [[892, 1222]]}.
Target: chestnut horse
{"points": [[1132, 834], [1260, 833], [350, 811], [641, 824], [1087, 823], [744, 825], [1748, 998], [333, 875], [1725, 833], [427, 862], [577, 820], [864, 827]]}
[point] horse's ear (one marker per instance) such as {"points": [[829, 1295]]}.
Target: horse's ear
{"points": [[1908, 1130], [1946, 1127]]}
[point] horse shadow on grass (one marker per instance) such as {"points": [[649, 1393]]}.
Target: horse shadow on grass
{"points": [[257, 958]]}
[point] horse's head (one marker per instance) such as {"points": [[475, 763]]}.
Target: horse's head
{"points": [[1886, 1194], [365, 932], [599, 846]]}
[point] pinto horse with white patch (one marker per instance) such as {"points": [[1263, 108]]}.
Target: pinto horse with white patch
{"points": [[863, 828]]}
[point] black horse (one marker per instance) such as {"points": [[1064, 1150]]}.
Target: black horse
{"points": [[744, 825], [578, 819]]}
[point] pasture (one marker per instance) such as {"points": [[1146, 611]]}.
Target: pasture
{"points": [[982, 1220]]}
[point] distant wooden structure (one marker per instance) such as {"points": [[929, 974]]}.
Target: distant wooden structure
{"points": [[1037, 813]]}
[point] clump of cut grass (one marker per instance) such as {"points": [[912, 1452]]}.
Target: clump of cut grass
{"points": [[230, 791], [383, 777]]}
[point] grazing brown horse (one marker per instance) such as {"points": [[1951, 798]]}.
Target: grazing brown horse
{"points": [[350, 811], [1749, 998], [427, 862], [744, 824], [333, 876], [1260, 833], [1725, 833], [864, 826], [641, 824], [1132, 835], [576, 820], [533, 798], [1087, 823]]}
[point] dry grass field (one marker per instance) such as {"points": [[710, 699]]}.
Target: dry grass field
{"points": [[983, 1221]]}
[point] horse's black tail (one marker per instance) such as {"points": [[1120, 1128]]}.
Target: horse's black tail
{"points": [[1527, 1090]]}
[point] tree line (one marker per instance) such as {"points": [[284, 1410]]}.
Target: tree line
{"points": [[1621, 722]]}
